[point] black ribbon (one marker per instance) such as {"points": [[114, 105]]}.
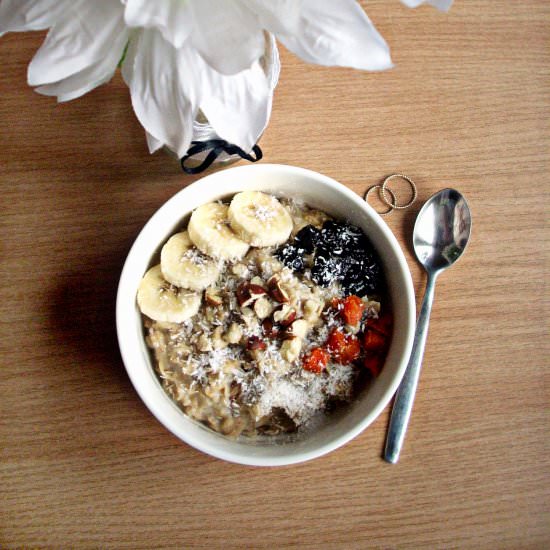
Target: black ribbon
{"points": [[217, 147]]}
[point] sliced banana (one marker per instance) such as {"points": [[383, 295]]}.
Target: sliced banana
{"points": [[164, 302], [210, 232], [184, 265], [259, 219]]}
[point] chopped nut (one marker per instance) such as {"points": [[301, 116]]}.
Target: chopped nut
{"points": [[270, 329], [217, 339], [277, 291], [234, 334], [298, 329], [235, 389], [204, 343], [257, 281], [290, 349], [250, 320], [284, 315], [312, 310], [247, 293], [263, 307], [240, 270], [255, 343], [212, 296]]}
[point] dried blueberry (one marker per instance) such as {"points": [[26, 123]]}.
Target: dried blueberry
{"points": [[292, 256], [307, 238], [326, 269], [362, 278], [341, 237]]}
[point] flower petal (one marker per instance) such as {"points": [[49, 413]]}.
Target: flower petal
{"points": [[164, 102], [237, 106], [153, 143], [228, 35], [30, 15], [337, 33], [86, 80], [278, 16], [443, 5], [171, 17], [80, 39]]}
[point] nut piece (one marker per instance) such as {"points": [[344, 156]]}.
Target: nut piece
{"points": [[255, 343], [263, 307], [257, 281], [247, 293], [290, 349], [298, 329], [234, 334], [217, 339], [270, 329], [277, 291], [212, 296], [240, 270], [204, 343], [312, 310], [284, 315]]}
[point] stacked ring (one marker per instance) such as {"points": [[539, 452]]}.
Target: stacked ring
{"points": [[384, 190], [391, 206]]}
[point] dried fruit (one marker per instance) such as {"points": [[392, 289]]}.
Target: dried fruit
{"points": [[292, 257], [373, 363], [326, 268], [382, 325], [374, 341], [247, 293], [316, 360], [345, 348], [352, 309], [307, 238]]}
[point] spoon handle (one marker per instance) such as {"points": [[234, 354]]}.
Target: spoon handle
{"points": [[404, 398]]}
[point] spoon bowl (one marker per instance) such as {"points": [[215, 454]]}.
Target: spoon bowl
{"points": [[442, 230], [441, 233]]}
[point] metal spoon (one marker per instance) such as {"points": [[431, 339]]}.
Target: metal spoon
{"points": [[441, 232]]}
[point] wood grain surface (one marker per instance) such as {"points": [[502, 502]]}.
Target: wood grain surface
{"points": [[84, 464]]}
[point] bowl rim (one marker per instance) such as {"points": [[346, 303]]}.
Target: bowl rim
{"points": [[141, 386]]}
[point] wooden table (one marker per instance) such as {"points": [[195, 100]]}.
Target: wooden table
{"points": [[84, 464]]}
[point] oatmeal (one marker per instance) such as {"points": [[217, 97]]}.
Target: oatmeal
{"points": [[263, 314]]}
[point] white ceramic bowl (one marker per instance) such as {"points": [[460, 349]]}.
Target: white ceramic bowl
{"points": [[315, 190]]}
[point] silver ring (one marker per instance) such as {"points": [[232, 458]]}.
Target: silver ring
{"points": [[391, 206], [384, 188]]}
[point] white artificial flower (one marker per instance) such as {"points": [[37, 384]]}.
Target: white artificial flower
{"points": [[182, 56], [443, 5]]}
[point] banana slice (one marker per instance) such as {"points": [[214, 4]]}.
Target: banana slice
{"points": [[164, 302], [210, 232], [184, 265], [259, 219]]}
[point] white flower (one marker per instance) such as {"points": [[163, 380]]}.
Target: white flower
{"points": [[184, 55]]}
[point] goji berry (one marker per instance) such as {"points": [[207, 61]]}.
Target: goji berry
{"points": [[373, 363], [352, 309], [374, 341], [316, 360], [344, 348], [383, 324]]}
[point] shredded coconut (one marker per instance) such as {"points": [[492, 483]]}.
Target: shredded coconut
{"points": [[264, 213]]}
